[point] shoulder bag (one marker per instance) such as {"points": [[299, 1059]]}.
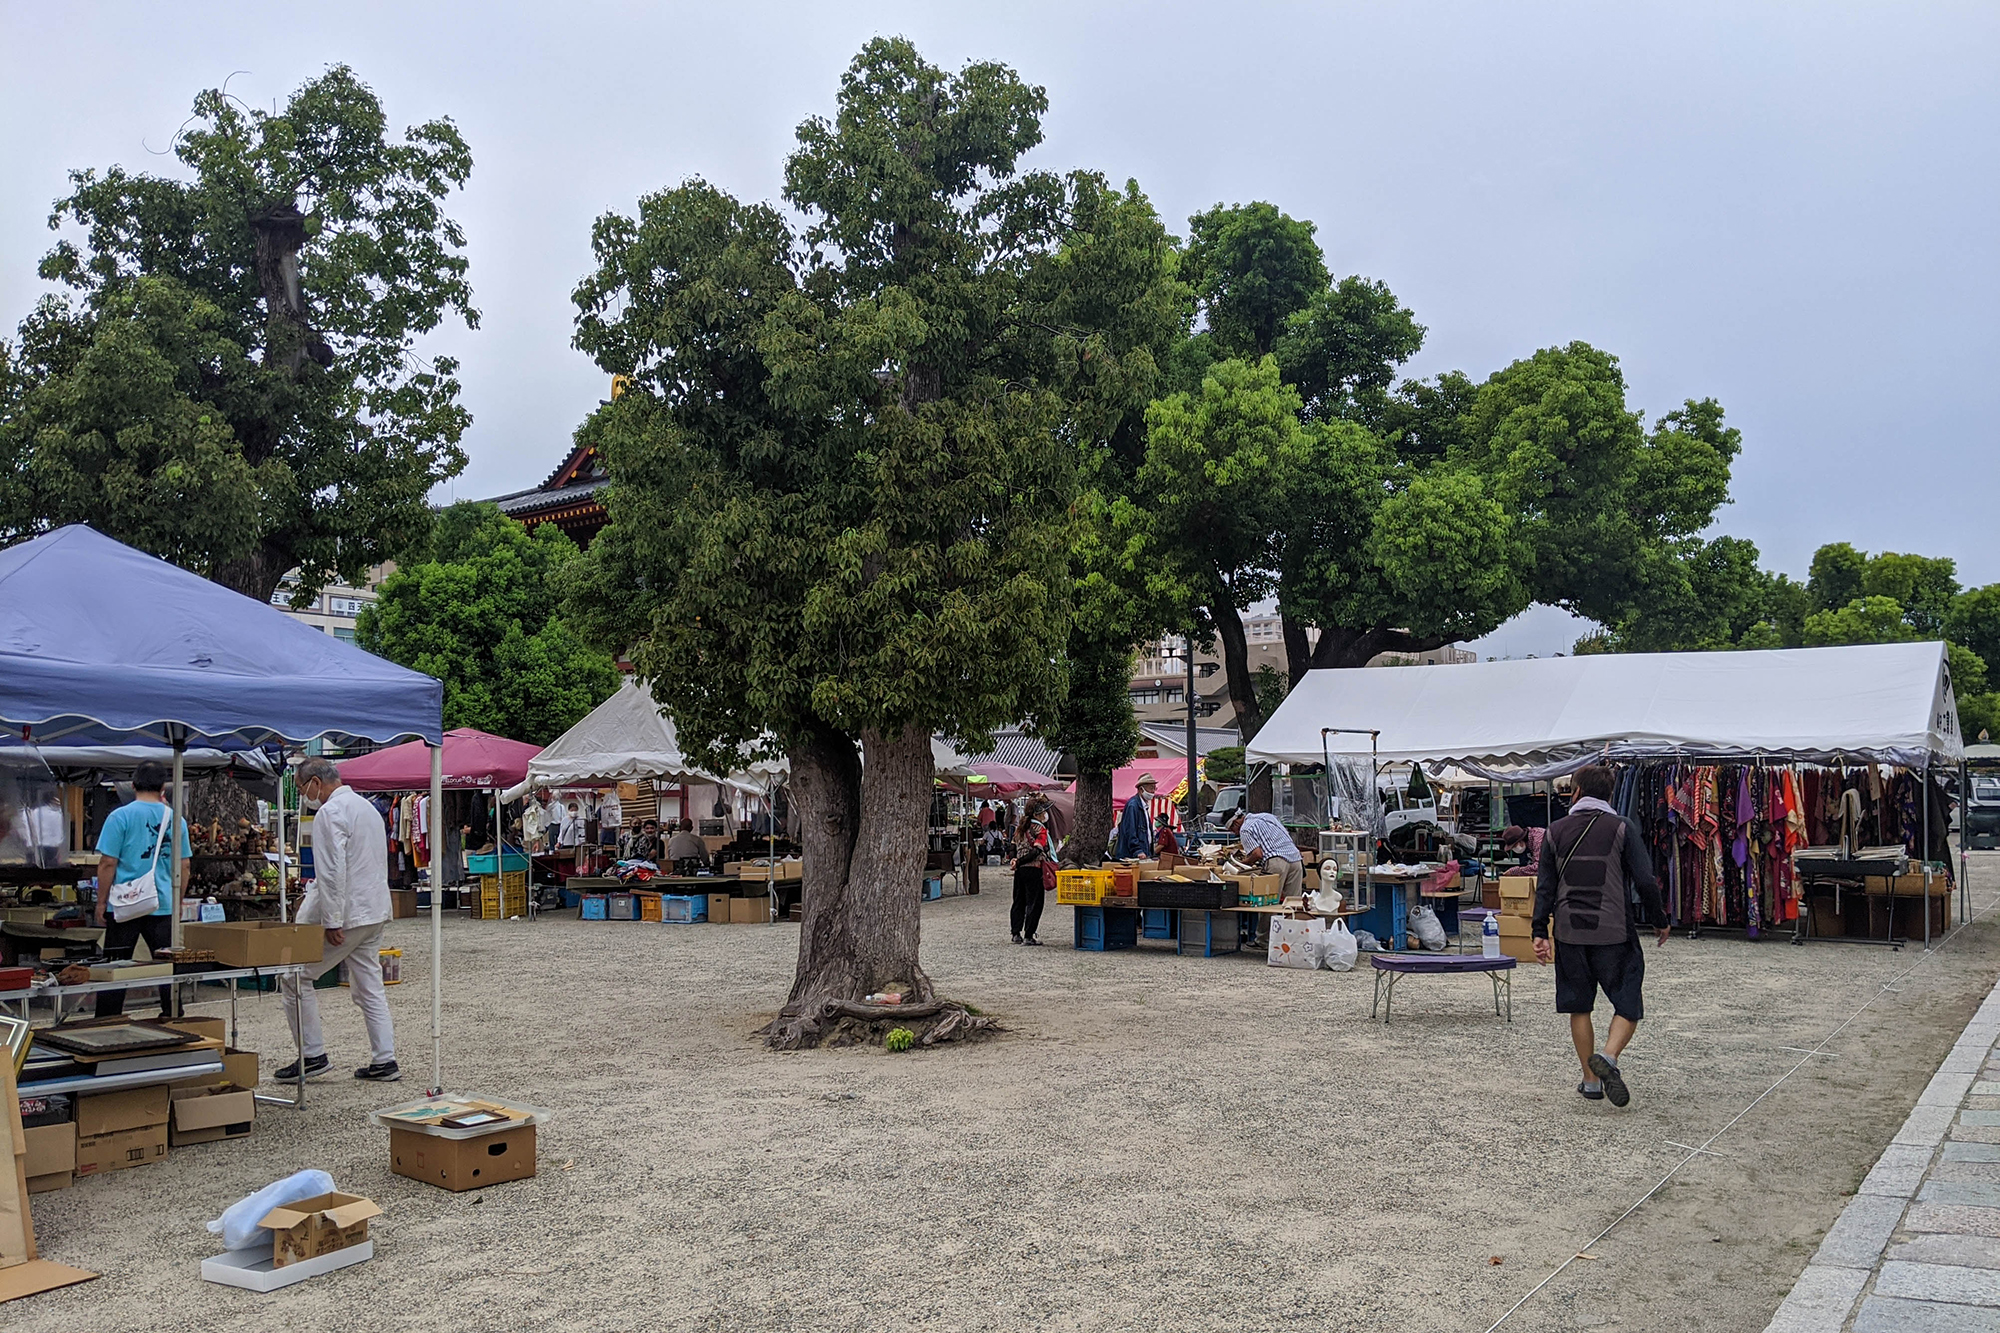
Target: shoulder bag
{"points": [[131, 899]]}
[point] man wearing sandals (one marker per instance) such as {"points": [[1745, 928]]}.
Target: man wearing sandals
{"points": [[1594, 880]]}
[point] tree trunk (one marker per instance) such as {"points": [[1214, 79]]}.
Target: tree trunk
{"points": [[255, 574], [1357, 647], [1094, 818], [864, 843], [1298, 652], [1242, 687]]}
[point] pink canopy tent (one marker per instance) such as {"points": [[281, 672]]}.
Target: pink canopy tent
{"points": [[1168, 773], [473, 760], [1010, 780]]}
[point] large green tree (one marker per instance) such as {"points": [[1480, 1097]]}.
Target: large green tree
{"points": [[234, 384], [477, 610], [843, 482]]}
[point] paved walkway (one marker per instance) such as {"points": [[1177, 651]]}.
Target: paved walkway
{"points": [[1918, 1247]]}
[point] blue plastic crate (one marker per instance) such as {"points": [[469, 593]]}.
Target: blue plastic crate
{"points": [[679, 909], [481, 863], [1104, 928], [933, 889], [593, 906], [1157, 923]]}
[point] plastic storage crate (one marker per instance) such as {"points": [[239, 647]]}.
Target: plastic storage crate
{"points": [[648, 905], [1082, 888], [621, 907], [503, 896], [1105, 928], [1208, 933], [592, 907], [481, 863], [683, 910], [1158, 923]]}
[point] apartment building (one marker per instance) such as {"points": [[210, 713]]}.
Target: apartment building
{"points": [[334, 610]]}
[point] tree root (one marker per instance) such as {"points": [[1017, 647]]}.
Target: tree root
{"points": [[845, 1023]]}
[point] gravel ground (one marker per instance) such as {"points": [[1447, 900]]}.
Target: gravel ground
{"points": [[1156, 1142]]}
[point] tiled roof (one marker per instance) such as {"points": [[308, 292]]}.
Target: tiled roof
{"points": [[1011, 747], [527, 502]]}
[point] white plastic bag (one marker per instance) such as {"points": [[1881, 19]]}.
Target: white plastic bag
{"points": [[1424, 924], [1338, 948], [1365, 941], [238, 1224], [1295, 943]]}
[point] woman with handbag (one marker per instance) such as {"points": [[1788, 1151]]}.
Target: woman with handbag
{"points": [[132, 853], [1033, 877]]}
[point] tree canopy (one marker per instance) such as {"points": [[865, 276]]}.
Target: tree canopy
{"points": [[477, 610], [844, 480], [234, 383]]}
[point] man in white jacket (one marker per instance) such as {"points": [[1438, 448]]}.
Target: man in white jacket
{"points": [[349, 898]]}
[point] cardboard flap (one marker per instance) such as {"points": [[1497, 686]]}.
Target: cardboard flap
{"points": [[335, 1205], [36, 1276], [205, 1108], [349, 1213]]}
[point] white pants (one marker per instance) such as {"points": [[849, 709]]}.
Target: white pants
{"points": [[1292, 873], [364, 979]]}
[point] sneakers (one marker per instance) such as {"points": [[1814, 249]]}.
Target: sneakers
{"points": [[1614, 1082], [315, 1066], [1031, 940], [386, 1072], [1590, 1091], [1017, 939]]}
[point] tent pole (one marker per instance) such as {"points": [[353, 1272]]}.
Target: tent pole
{"points": [[1964, 863], [437, 918], [284, 870], [1924, 842], [174, 842]]}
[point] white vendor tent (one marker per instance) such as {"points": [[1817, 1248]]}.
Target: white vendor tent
{"points": [[1890, 703], [624, 739]]}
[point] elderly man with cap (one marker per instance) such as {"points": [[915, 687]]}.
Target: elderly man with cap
{"points": [[1135, 825], [1267, 844]]}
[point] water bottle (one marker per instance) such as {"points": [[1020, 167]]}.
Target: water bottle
{"points": [[1489, 937]]}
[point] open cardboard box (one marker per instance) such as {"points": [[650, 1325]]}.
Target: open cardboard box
{"points": [[51, 1158], [319, 1225], [22, 1271], [204, 1115], [256, 943]]}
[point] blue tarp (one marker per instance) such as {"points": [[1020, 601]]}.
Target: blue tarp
{"points": [[104, 645]]}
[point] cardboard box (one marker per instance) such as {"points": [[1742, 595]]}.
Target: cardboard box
{"points": [[1515, 925], [1519, 947], [402, 904], [464, 1164], [257, 943], [1910, 885], [718, 908], [102, 1153], [239, 1067], [203, 1115], [51, 1160], [129, 971], [114, 1112], [215, 1029], [749, 911], [319, 1225]]}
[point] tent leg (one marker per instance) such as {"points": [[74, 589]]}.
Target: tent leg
{"points": [[1964, 861], [174, 842], [436, 877]]}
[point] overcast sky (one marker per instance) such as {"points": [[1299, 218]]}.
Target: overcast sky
{"points": [[1790, 208]]}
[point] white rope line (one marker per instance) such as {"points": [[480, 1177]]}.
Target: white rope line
{"points": [[1730, 1124]]}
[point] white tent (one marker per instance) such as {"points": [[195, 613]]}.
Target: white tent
{"points": [[623, 739], [1891, 703]]}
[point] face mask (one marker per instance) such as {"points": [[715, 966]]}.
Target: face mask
{"points": [[309, 802]]}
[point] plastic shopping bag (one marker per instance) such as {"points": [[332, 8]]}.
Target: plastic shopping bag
{"points": [[1365, 941], [1424, 924], [1338, 948], [1295, 943], [238, 1224]]}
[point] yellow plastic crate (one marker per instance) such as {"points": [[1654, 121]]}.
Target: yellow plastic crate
{"points": [[1082, 888], [492, 905]]}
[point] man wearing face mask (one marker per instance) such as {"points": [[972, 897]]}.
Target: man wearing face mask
{"points": [[349, 899]]}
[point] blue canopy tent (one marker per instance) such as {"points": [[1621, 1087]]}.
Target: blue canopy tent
{"points": [[101, 644]]}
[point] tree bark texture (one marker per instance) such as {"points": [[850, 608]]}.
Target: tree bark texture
{"points": [[1094, 818], [257, 573], [863, 833], [1242, 688]]}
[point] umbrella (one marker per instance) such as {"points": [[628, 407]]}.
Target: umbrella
{"points": [[1009, 780]]}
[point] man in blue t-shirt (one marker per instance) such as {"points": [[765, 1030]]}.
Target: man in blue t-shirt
{"points": [[126, 850]]}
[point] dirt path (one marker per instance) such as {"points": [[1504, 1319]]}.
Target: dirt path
{"points": [[1158, 1142]]}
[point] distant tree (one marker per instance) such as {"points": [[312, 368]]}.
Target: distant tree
{"points": [[477, 611], [1974, 620], [236, 387], [1225, 764]]}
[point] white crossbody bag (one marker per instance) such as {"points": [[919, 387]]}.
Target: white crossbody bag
{"points": [[131, 899]]}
